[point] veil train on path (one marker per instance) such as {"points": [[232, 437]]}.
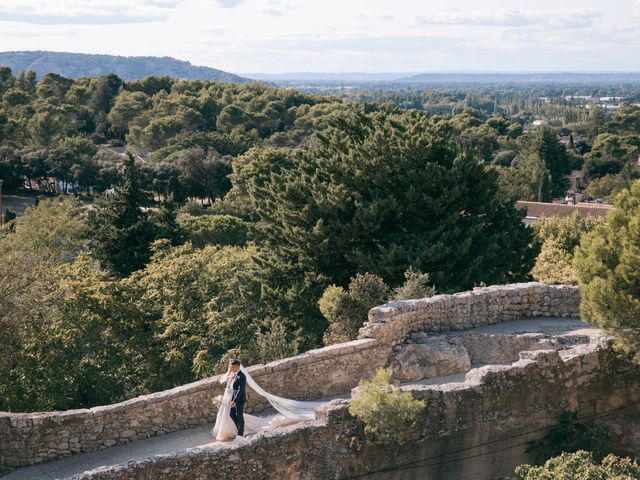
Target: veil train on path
{"points": [[289, 411]]}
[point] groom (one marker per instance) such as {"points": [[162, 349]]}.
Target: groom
{"points": [[239, 397]]}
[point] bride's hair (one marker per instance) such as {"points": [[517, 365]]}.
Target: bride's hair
{"points": [[235, 362]]}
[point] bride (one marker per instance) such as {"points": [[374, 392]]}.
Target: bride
{"points": [[289, 411]]}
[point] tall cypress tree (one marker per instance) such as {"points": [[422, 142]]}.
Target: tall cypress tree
{"points": [[381, 192], [554, 155], [121, 230]]}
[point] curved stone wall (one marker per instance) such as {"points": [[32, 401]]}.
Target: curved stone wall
{"points": [[474, 430], [31, 438], [392, 322]]}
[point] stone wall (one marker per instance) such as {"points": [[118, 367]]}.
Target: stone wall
{"points": [[30, 438], [392, 322], [474, 430]]}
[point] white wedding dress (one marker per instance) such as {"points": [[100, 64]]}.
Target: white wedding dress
{"points": [[289, 411]]}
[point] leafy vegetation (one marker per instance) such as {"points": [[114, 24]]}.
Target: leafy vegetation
{"points": [[388, 413], [581, 466], [256, 222], [608, 270], [559, 238]]}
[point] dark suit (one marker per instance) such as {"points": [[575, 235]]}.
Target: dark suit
{"points": [[239, 397]]}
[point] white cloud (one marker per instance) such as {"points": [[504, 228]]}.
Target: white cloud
{"points": [[512, 18], [228, 3], [337, 35]]}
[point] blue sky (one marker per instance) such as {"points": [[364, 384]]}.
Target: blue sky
{"points": [[339, 35]]}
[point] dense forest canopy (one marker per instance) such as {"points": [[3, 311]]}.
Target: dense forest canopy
{"points": [[253, 221]]}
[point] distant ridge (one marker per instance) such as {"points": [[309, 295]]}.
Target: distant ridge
{"points": [[76, 65], [523, 77]]}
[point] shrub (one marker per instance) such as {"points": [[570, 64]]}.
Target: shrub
{"points": [[416, 285], [559, 238], [581, 466], [388, 413], [346, 310], [273, 343]]}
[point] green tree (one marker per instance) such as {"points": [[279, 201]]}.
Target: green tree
{"points": [[607, 265], [45, 129], [533, 168], [607, 187], [380, 193], [559, 238], [121, 230], [547, 147], [215, 230]]}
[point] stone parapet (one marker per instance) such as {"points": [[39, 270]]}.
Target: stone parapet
{"points": [[477, 429], [30, 438], [392, 322]]}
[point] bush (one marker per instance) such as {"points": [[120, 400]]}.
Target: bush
{"points": [[273, 343], [388, 413], [346, 310], [581, 466], [568, 436], [559, 238], [416, 285]]}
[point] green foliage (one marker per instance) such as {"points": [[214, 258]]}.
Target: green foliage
{"points": [[548, 177], [607, 265], [388, 413], [581, 466], [215, 230], [346, 311], [568, 436], [416, 285], [273, 342], [381, 192], [607, 187], [121, 230], [559, 238], [198, 303]]}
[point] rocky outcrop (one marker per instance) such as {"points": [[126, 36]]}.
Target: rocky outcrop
{"points": [[433, 357]]}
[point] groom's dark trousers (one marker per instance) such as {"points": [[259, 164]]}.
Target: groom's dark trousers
{"points": [[239, 397], [238, 418]]}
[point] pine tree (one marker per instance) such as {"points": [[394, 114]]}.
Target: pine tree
{"points": [[381, 193], [607, 265]]}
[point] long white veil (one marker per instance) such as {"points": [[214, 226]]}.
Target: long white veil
{"points": [[292, 410]]}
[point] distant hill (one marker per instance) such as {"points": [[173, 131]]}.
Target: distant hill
{"points": [[524, 77], [76, 65]]}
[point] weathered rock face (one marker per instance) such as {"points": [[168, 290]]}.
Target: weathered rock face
{"points": [[475, 430], [435, 357]]}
